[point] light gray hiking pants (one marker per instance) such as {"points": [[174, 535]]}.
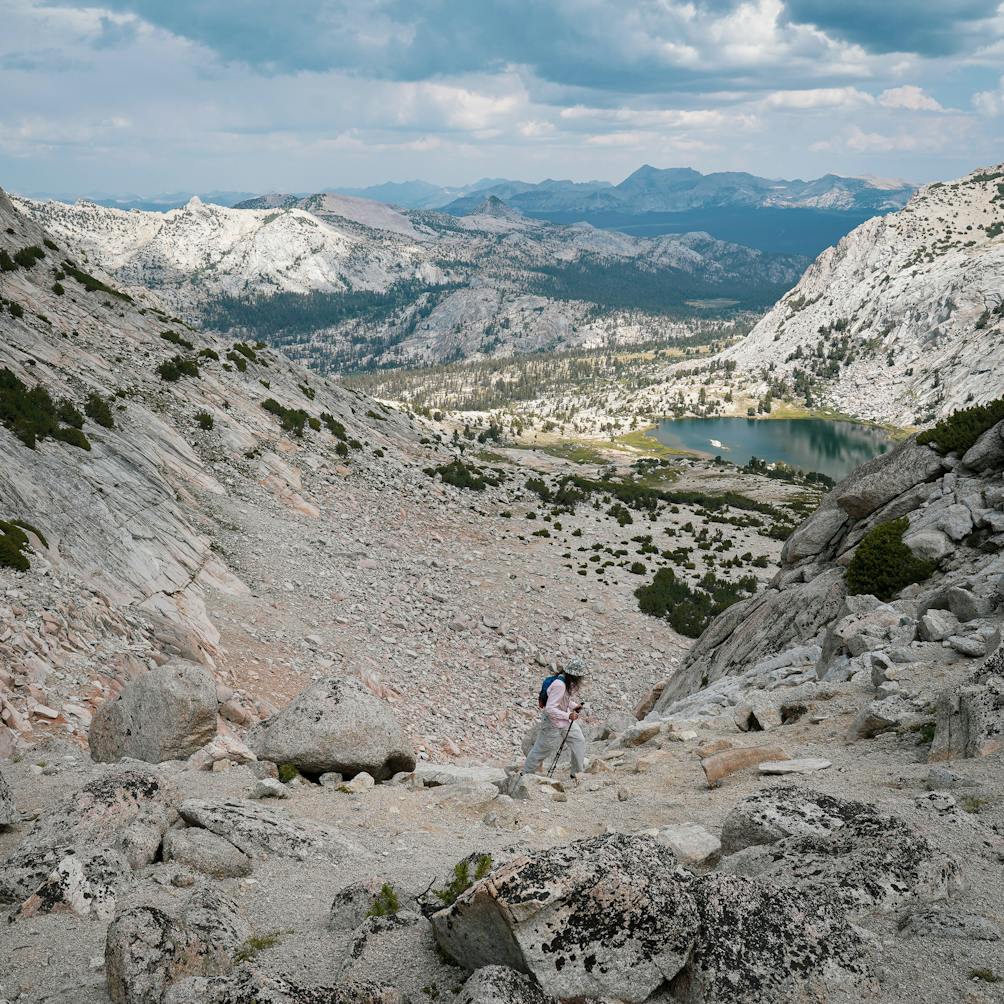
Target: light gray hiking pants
{"points": [[548, 740]]}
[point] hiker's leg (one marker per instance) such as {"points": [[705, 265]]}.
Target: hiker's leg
{"points": [[547, 742], [577, 745]]}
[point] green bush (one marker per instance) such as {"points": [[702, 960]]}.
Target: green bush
{"points": [[7, 264], [246, 351], [175, 339], [209, 354], [204, 419], [91, 284], [458, 474], [32, 414], [961, 429], [386, 902], [883, 565], [462, 879], [342, 449], [334, 426], [58, 289], [96, 408], [690, 610], [176, 367], [13, 541], [27, 257], [292, 419], [238, 360]]}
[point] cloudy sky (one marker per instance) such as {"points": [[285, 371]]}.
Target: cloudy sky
{"points": [[165, 95]]}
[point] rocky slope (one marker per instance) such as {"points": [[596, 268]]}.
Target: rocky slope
{"points": [[902, 321], [344, 282]]}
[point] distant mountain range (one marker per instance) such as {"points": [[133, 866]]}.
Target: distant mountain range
{"points": [[783, 217], [348, 283]]}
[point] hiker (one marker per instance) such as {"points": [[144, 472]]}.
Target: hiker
{"points": [[558, 721]]}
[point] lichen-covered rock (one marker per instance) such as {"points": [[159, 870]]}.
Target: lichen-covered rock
{"points": [[258, 831], [501, 985], [335, 725], [970, 717], [771, 814], [206, 852], [84, 883], [762, 945], [930, 922], [841, 848], [352, 903], [8, 810], [610, 916], [126, 812], [166, 714], [161, 936], [250, 985]]}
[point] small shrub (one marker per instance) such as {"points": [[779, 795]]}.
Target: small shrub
{"points": [[58, 289], [462, 879], [246, 351], [342, 449], [458, 474], [175, 339], [334, 426], [961, 429], [16, 310], [49, 244], [91, 284], [386, 903], [32, 415], [68, 413], [985, 976], [204, 420], [238, 360], [257, 943], [13, 541], [307, 391], [287, 772], [690, 610], [883, 565], [209, 354], [96, 408], [291, 419], [27, 257], [176, 367], [7, 264]]}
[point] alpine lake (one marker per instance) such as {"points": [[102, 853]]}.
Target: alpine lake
{"points": [[824, 445]]}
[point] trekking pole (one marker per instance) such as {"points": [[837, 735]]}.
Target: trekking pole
{"points": [[557, 756]]}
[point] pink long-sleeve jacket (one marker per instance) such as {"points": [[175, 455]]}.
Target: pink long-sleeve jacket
{"points": [[559, 705]]}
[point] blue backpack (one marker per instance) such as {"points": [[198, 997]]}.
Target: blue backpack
{"points": [[542, 696]]}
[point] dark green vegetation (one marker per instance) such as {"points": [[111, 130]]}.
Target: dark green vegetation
{"points": [[175, 339], [96, 408], [204, 420], [291, 419], [32, 415], [883, 565], [690, 610], [386, 902], [462, 878], [173, 369], [91, 284], [961, 429], [460, 475], [630, 285], [13, 541]]}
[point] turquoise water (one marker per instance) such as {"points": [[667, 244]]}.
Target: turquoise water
{"points": [[811, 444]]}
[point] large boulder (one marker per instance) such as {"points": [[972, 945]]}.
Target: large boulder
{"points": [[839, 848], [335, 725], [206, 852], [758, 944], [970, 716], [8, 810], [161, 936], [259, 831], [165, 714], [987, 453], [501, 985], [78, 855], [251, 985], [610, 916], [881, 479]]}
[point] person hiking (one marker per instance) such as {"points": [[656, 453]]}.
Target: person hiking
{"points": [[559, 720]]}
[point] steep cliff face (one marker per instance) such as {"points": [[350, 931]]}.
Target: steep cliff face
{"points": [[903, 320]]}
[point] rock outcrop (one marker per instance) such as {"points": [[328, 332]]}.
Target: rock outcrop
{"points": [[78, 856], [609, 916], [843, 849], [166, 714], [501, 985], [161, 936], [8, 810], [970, 716], [335, 725]]}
